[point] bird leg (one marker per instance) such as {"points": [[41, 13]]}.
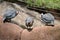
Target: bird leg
{"points": [[7, 20], [49, 24]]}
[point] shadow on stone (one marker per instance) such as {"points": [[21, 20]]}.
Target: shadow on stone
{"points": [[22, 26]]}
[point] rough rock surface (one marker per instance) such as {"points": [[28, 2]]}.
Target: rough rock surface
{"points": [[42, 33]]}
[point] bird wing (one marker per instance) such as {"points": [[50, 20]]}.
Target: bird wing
{"points": [[48, 17], [10, 14]]}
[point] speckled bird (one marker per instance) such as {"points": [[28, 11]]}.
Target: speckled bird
{"points": [[9, 14], [29, 22], [47, 18]]}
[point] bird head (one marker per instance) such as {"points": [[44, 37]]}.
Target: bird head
{"points": [[17, 12]]}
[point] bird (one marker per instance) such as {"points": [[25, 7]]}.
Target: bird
{"points": [[47, 18], [9, 14], [29, 22]]}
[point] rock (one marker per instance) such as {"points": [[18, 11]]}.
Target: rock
{"points": [[42, 33], [9, 31]]}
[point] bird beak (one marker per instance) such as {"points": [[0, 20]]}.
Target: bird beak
{"points": [[17, 12]]}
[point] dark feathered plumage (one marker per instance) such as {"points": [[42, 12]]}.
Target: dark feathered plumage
{"points": [[9, 14], [29, 22], [47, 18]]}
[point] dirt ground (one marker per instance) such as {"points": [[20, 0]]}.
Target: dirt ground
{"points": [[23, 14]]}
